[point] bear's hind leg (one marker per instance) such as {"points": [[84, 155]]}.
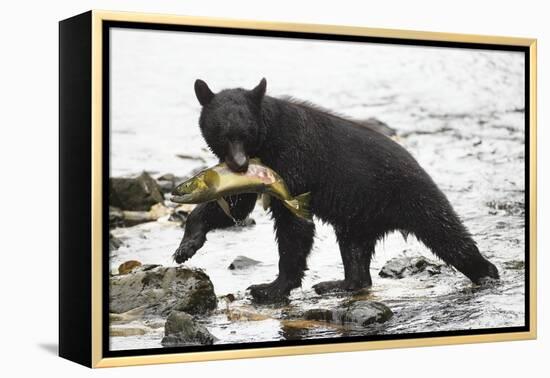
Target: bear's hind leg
{"points": [[295, 239], [356, 257]]}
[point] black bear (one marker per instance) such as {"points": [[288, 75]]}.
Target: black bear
{"points": [[361, 182]]}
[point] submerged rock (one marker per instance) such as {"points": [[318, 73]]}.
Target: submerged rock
{"points": [[162, 289], [507, 206], [400, 267], [243, 262], [114, 242], [361, 313], [181, 329], [245, 223], [116, 218], [191, 157], [515, 265], [139, 193]]}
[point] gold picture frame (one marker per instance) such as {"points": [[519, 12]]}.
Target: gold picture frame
{"points": [[91, 27]]}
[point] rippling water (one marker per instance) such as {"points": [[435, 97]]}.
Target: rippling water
{"points": [[460, 112]]}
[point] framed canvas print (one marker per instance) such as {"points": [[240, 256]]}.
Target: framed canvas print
{"points": [[235, 189]]}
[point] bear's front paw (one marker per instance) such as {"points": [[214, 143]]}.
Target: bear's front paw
{"points": [[186, 250], [270, 293]]}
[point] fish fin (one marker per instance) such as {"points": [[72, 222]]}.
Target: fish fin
{"points": [[266, 201], [299, 206], [225, 207]]}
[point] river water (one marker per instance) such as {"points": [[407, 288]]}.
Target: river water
{"points": [[460, 112]]}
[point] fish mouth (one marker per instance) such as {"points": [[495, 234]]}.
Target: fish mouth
{"points": [[177, 198]]}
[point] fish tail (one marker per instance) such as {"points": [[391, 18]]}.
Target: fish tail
{"points": [[299, 205]]}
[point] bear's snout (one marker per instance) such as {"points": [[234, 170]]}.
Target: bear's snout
{"points": [[236, 158]]}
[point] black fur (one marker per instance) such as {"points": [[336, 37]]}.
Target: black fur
{"points": [[361, 182]]}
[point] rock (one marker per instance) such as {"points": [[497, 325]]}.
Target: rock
{"points": [[128, 218], [243, 315], [181, 213], [146, 267], [515, 265], [181, 329], [132, 218], [300, 329], [116, 218], [128, 266], [365, 313], [228, 298], [167, 177], [159, 210], [114, 242], [361, 313], [168, 182], [507, 206], [166, 186], [127, 331], [245, 223], [162, 289], [155, 323], [400, 267], [126, 317], [191, 157], [243, 262], [137, 194]]}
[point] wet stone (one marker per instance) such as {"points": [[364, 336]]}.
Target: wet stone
{"points": [[116, 218], [167, 182], [400, 267], [128, 266], [114, 242], [129, 218], [360, 313], [161, 290], [247, 222], [181, 329], [507, 206], [243, 262], [126, 331], [319, 314], [138, 194], [515, 265], [365, 313]]}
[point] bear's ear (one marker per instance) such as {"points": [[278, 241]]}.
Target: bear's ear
{"points": [[204, 94], [259, 92]]}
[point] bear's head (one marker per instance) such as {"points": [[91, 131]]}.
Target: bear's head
{"points": [[231, 122]]}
